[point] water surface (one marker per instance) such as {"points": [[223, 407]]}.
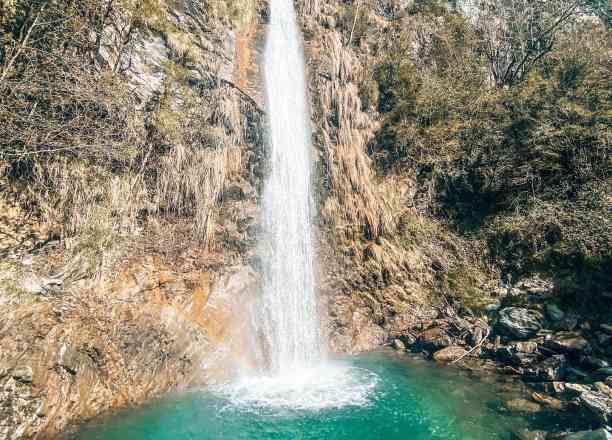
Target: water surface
{"points": [[371, 397]]}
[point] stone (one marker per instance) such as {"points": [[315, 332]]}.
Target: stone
{"points": [[598, 404], [493, 308], [603, 338], [603, 373], [519, 322], [23, 374], [522, 405], [554, 313], [576, 375], [549, 370], [449, 354], [526, 346], [511, 355], [594, 363], [549, 401], [569, 323], [568, 342], [399, 345], [599, 434], [434, 339], [603, 388], [575, 389], [526, 434], [608, 381]]}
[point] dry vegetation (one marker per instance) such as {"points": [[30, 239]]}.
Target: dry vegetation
{"points": [[503, 133], [91, 153]]}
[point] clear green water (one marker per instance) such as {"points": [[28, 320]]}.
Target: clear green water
{"points": [[386, 397]]}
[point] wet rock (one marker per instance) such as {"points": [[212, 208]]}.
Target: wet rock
{"points": [[603, 338], [576, 375], [568, 342], [519, 322], [575, 389], [554, 313], [598, 404], [522, 405], [23, 374], [548, 401], [510, 355], [603, 373], [606, 328], [399, 345], [434, 339], [594, 363], [569, 323], [549, 370], [600, 434], [525, 434], [603, 388], [525, 346], [449, 354]]}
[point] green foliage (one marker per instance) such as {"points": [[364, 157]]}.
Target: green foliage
{"points": [[528, 168]]}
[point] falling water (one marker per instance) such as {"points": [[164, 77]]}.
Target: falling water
{"points": [[291, 323]]}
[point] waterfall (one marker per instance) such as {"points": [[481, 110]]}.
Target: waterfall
{"points": [[290, 317]]}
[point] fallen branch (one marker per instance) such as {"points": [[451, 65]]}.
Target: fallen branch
{"points": [[484, 338]]}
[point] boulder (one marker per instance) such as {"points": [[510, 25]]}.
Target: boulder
{"points": [[434, 339], [568, 342], [449, 354], [600, 434], [399, 345], [519, 322], [554, 313], [598, 404]]}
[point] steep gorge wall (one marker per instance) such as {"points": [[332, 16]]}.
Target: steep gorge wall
{"points": [[373, 277], [157, 300]]}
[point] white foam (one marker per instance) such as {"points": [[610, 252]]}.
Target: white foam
{"points": [[327, 386]]}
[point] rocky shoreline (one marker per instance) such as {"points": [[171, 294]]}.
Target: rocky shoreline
{"points": [[563, 358]]}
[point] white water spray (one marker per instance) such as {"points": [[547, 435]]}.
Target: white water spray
{"points": [[297, 377], [291, 321]]}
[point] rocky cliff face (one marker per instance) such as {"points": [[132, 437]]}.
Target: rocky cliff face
{"points": [[167, 310]]}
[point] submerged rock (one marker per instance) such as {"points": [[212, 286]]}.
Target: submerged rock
{"points": [[568, 342], [554, 313], [449, 354], [522, 405], [598, 404], [399, 345], [600, 434], [519, 322]]}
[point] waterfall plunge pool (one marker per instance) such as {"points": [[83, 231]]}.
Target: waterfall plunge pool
{"points": [[374, 396]]}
